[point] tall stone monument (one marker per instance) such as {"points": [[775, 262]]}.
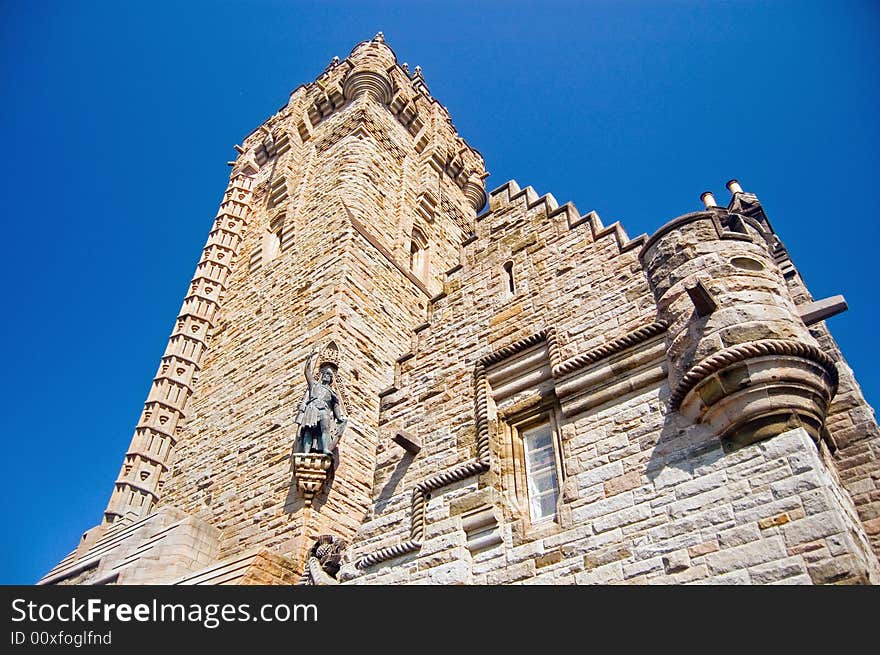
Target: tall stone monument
{"points": [[376, 377]]}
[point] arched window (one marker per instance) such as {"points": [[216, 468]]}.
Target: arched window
{"points": [[418, 254]]}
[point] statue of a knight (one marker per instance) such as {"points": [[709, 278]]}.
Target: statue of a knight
{"points": [[321, 416]]}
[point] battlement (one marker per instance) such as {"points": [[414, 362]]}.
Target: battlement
{"points": [[510, 194]]}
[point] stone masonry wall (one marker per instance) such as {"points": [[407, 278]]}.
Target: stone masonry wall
{"points": [[852, 426], [325, 259], [646, 496]]}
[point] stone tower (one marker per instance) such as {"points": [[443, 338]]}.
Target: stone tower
{"points": [[519, 394]]}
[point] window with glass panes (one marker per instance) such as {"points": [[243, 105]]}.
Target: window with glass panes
{"points": [[541, 471]]}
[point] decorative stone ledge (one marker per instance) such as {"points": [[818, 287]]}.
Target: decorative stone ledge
{"points": [[757, 390], [311, 471], [613, 347]]}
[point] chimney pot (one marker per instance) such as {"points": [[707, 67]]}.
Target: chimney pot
{"points": [[734, 187]]}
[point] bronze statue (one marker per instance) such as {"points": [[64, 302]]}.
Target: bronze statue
{"points": [[321, 416]]}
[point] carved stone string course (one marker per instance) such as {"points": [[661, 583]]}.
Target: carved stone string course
{"points": [[745, 351], [611, 348]]}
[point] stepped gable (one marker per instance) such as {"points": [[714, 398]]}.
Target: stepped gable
{"points": [[510, 193]]}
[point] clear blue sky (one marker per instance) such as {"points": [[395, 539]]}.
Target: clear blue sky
{"points": [[119, 118]]}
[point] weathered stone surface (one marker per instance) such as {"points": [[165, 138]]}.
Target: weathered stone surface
{"points": [[351, 219], [676, 561]]}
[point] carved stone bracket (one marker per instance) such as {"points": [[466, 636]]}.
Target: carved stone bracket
{"points": [[311, 471]]}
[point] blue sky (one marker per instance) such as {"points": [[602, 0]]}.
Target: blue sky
{"points": [[119, 119]]}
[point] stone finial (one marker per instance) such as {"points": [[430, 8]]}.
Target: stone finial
{"points": [[734, 187], [417, 72], [405, 67], [379, 38], [708, 199]]}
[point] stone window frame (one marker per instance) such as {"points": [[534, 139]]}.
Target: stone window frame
{"points": [[511, 427], [419, 253], [509, 289]]}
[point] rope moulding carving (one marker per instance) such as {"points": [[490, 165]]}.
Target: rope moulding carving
{"points": [[466, 470], [612, 347], [481, 411], [512, 349], [740, 352]]}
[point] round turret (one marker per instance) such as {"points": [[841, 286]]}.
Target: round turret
{"points": [[740, 358]]}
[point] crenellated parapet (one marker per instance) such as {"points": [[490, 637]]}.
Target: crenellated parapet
{"points": [[510, 194], [140, 481]]}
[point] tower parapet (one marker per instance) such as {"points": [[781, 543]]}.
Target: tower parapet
{"points": [[741, 359]]}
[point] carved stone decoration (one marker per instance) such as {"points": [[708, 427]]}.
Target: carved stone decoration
{"points": [[758, 390], [323, 561], [328, 551], [369, 83], [311, 471], [321, 420]]}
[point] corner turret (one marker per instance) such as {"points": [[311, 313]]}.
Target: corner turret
{"points": [[741, 359]]}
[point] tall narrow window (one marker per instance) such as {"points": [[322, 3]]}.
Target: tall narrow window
{"points": [[510, 290], [541, 471], [272, 239], [271, 245], [418, 254], [528, 438]]}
